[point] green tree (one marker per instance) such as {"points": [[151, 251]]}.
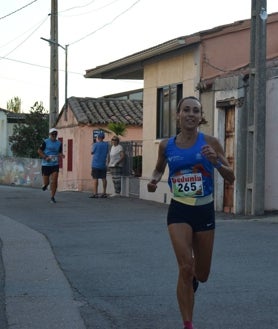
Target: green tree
{"points": [[14, 105], [28, 136], [118, 128]]}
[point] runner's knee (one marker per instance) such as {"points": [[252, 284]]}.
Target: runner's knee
{"points": [[186, 271]]}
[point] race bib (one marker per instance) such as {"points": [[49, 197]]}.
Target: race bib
{"points": [[54, 158], [187, 185]]}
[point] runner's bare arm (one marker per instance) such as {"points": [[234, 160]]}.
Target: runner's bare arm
{"points": [[159, 168], [215, 154]]}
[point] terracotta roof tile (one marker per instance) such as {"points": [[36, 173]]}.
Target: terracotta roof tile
{"points": [[105, 110]]}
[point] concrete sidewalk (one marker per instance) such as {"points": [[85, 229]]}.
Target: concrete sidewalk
{"points": [[38, 296]]}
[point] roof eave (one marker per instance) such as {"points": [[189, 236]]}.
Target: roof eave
{"points": [[131, 67]]}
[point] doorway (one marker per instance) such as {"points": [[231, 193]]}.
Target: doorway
{"points": [[229, 146]]}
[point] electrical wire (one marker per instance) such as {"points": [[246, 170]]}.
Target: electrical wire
{"points": [[46, 67], [26, 38], [87, 12], [36, 65], [77, 7], [107, 24], [215, 67], [17, 10], [18, 37]]}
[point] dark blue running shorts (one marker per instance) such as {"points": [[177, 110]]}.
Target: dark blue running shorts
{"points": [[200, 218], [48, 170]]}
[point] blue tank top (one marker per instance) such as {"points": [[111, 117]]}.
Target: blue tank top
{"points": [[52, 150], [190, 174]]}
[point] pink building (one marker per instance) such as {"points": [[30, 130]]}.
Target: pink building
{"points": [[77, 124]]}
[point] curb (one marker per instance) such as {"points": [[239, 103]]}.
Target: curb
{"points": [[37, 293]]}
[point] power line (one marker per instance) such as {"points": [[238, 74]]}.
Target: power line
{"points": [[37, 65], [17, 37], [15, 11], [27, 37], [76, 7], [42, 66], [109, 23], [100, 28], [46, 67], [87, 12]]}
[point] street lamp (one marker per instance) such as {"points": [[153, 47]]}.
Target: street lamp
{"points": [[66, 71]]}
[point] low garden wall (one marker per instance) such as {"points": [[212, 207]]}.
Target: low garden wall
{"points": [[20, 171]]}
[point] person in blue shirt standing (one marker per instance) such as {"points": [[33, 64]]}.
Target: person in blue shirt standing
{"points": [[99, 165], [50, 151]]}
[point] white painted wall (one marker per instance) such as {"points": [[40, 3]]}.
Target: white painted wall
{"points": [[271, 148], [3, 133]]}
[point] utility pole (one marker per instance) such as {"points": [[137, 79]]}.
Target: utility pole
{"points": [[255, 175], [66, 81], [66, 70], [54, 65]]}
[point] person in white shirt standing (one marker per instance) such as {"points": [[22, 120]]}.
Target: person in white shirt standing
{"points": [[116, 162]]}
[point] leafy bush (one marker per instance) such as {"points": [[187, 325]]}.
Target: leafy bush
{"points": [[118, 128], [28, 136]]}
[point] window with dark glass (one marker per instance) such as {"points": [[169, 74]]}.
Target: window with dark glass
{"points": [[167, 101]]}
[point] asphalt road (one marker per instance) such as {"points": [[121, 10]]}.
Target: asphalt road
{"points": [[108, 263]]}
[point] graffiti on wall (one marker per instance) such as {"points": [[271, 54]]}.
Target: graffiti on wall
{"points": [[20, 171]]}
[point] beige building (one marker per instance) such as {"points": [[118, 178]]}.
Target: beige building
{"points": [[212, 65]]}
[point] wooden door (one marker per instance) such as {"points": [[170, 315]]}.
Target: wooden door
{"points": [[228, 202]]}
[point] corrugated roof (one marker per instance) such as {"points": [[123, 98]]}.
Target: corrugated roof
{"points": [[13, 116], [16, 116], [105, 110]]}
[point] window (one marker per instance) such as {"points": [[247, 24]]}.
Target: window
{"points": [[167, 101]]}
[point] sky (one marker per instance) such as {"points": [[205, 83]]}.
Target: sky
{"points": [[97, 32]]}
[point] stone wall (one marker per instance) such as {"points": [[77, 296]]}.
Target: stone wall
{"points": [[20, 171]]}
